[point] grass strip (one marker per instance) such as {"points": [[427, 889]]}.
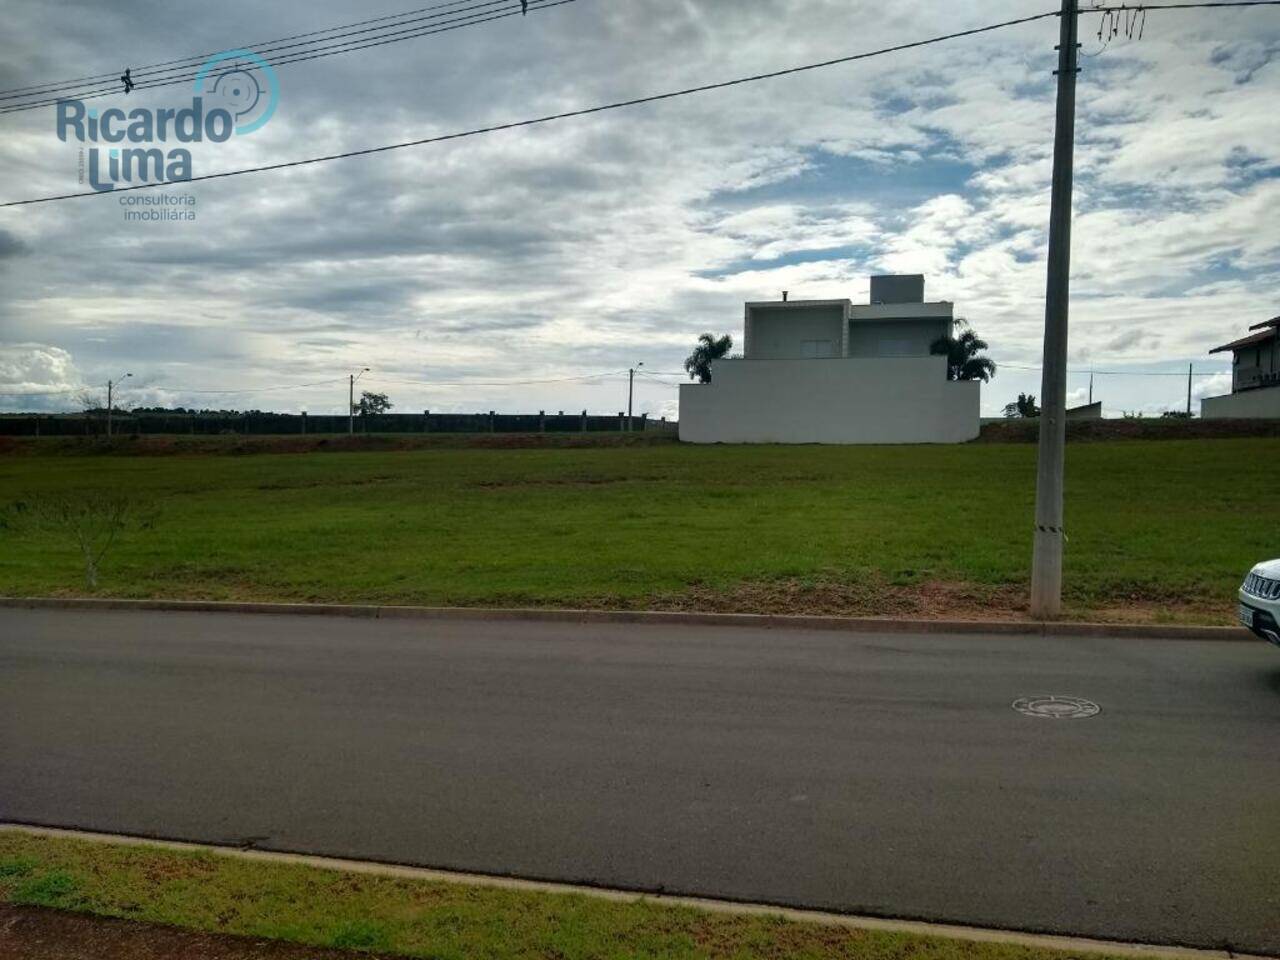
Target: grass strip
{"points": [[319, 907]]}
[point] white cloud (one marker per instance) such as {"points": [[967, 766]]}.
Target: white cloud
{"points": [[591, 244], [37, 376]]}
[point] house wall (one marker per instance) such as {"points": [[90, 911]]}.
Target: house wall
{"points": [[1087, 411], [845, 401], [895, 338], [1251, 365], [1260, 404], [780, 333]]}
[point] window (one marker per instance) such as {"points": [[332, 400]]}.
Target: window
{"points": [[895, 348], [816, 348]]}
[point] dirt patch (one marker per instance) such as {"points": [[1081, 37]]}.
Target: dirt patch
{"points": [[38, 933], [313, 484], [871, 597], [1019, 430], [722, 937], [507, 483], [927, 600]]}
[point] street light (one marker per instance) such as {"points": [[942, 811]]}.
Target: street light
{"points": [[631, 387], [111, 384], [351, 399]]}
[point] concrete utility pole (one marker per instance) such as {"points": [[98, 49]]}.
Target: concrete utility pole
{"points": [[111, 399], [351, 399], [1046, 565], [631, 387]]}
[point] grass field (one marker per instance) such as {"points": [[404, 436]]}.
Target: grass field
{"points": [[421, 918], [1157, 530]]}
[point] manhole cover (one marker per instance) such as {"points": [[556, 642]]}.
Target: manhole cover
{"points": [[1057, 708]]}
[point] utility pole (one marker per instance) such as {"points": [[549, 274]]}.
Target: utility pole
{"points": [[631, 388], [351, 399], [1190, 373], [1046, 565], [111, 399]]}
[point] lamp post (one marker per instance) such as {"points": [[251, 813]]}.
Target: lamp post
{"points": [[631, 389], [351, 399], [111, 385]]}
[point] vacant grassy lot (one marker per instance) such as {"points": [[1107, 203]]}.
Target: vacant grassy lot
{"points": [[420, 918], [1157, 529]]}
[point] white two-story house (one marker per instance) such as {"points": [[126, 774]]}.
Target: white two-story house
{"points": [[832, 371], [1255, 376]]}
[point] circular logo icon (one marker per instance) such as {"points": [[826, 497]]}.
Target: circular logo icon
{"points": [[244, 84], [1057, 708]]}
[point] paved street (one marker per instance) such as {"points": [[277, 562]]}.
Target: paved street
{"points": [[875, 774]]}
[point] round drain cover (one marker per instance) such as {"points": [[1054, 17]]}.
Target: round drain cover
{"points": [[1057, 708]]}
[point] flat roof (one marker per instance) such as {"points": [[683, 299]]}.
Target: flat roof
{"points": [[798, 303], [847, 302]]}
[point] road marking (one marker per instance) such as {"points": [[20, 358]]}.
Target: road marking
{"points": [[920, 927]]}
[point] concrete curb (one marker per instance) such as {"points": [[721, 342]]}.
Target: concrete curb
{"points": [[760, 621], [799, 915]]}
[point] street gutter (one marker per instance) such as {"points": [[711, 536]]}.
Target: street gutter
{"points": [[880, 625]]}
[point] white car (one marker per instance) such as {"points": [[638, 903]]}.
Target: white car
{"points": [[1260, 601]]}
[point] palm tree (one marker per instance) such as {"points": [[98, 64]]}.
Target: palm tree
{"points": [[963, 362], [709, 348]]}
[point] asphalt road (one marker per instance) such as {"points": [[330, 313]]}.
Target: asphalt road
{"points": [[874, 774]]}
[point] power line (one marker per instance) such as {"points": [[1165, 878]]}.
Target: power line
{"points": [[345, 30], [303, 56], [494, 383], [470, 19], [657, 378], [200, 57], [1118, 373], [82, 389], [585, 111], [288, 386], [1181, 6]]}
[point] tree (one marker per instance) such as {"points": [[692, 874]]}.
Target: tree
{"points": [[373, 403], [91, 401], [1024, 406], [963, 362], [709, 348], [91, 520]]}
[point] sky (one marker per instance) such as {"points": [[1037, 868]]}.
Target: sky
{"points": [[458, 273]]}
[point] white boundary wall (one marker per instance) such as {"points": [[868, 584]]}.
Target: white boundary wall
{"points": [[1262, 404], [870, 400]]}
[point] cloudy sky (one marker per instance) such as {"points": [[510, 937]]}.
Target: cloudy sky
{"points": [[585, 246]]}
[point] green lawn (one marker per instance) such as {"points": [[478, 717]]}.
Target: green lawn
{"points": [[421, 918], [1156, 529]]}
